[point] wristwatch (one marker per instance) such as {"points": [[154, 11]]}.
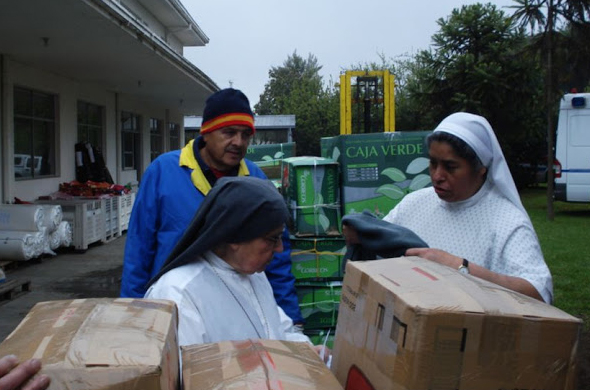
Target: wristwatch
{"points": [[464, 268]]}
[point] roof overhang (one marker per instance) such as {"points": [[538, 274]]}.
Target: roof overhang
{"points": [[93, 41]]}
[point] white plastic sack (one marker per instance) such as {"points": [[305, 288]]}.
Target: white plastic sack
{"points": [[21, 217], [62, 236], [53, 217], [18, 245]]}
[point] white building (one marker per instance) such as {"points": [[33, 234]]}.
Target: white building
{"points": [[270, 129], [108, 72]]}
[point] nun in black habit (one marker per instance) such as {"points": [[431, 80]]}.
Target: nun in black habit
{"points": [[215, 272]]}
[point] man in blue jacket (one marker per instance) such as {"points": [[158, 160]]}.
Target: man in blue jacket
{"points": [[174, 185]]}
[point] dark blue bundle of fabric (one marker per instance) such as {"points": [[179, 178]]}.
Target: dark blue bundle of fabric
{"points": [[378, 238]]}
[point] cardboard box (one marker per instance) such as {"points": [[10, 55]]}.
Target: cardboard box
{"points": [[378, 169], [317, 257], [410, 323], [318, 301], [311, 188], [255, 364], [108, 344]]}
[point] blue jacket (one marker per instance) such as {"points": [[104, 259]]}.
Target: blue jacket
{"points": [[165, 204]]}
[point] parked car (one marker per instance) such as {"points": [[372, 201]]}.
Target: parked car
{"points": [[23, 165]]}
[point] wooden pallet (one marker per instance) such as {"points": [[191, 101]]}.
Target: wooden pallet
{"points": [[13, 288], [9, 265]]}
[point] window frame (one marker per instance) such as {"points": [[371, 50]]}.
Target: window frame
{"points": [[156, 138], [88, 126], [130, 140], [38, 117]]}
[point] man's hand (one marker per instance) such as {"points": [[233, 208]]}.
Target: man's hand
{"points": [[15, 375]]}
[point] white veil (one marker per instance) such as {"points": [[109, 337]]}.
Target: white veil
{"points": [[477, 132]]}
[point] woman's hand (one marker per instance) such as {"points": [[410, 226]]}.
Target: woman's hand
{"points": [[436, 255], [350, 235], [15, 375], [323, 351]]}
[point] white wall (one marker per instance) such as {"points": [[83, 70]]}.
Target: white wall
{"points": [[69, 92]]}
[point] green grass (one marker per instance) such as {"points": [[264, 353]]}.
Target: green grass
{"points": [[565, 242]]}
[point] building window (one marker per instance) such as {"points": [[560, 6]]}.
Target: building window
{"points": [[130, 140], [156, 138], [34, 133], [90, 124], [174, 135]]}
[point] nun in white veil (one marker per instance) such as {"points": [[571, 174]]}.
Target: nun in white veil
{"points": [[472, 217]]}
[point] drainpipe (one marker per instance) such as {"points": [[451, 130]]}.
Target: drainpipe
{"points": [[117, 140], [166, 135], [5, 171]]}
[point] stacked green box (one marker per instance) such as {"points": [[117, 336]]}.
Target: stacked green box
{"points": [[319, 303], [317, 257], [311, 187], [378, 169], [270, 153], [269, 157]]}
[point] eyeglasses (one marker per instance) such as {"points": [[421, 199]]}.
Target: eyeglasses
{"points": [[273, 241]]}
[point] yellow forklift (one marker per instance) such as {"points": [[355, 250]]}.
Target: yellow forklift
{"points": [[367, 103]]}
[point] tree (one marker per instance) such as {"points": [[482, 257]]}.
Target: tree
{"points": [[546, 20], [297, 88], [478, 64]]}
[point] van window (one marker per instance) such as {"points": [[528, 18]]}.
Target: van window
{"points": [[580, 130]]}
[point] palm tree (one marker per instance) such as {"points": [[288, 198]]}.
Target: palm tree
{"points": [[548, 22]]}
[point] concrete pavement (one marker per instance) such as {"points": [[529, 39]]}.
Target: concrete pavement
{"points": [[69, 275]]}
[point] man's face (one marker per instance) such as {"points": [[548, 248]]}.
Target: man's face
{"points": [[226, 147]]}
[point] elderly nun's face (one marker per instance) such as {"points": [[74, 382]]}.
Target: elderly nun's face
{"points": [[254, 255], [453, 178]]}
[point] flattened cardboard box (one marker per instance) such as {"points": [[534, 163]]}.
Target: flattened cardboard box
{"points": [[255, 364], [410, 323], [107, 344]]}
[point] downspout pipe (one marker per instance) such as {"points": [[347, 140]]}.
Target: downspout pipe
{"points": [[5, 171], [118, 142]]}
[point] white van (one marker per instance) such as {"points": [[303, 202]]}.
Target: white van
{"points": [[572, 149], [22, 165]]}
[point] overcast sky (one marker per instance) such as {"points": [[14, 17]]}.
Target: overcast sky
{"points": [[248, 37]]}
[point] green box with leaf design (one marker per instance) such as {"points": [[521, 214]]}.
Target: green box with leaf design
{"points": [[269, 157], [378, 169], [270, 154], [311, 187], [319, 302], [316, 257]]}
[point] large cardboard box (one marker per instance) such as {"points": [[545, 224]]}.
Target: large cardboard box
{"points": [[107, 344], [378, 169], [255, 364], [311, 188], [317, 257], [410, 323]]}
